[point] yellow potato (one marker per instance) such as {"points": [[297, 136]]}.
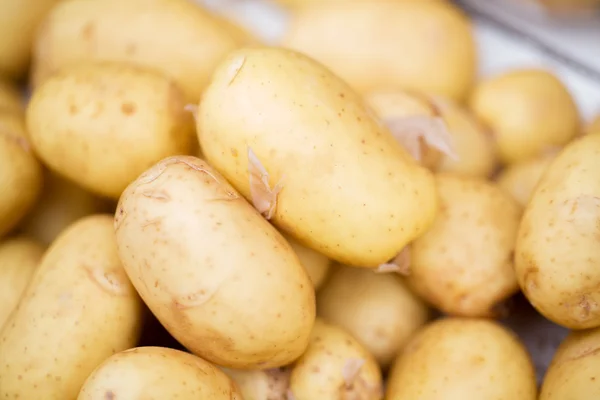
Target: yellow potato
{"points": [[176, 37], [266, 384], [115, 121], [456, 359], [573, 373], [10, 98], [19, 257], [377, 309], [19, 21], [529, 111], [146, 373], [20, 172], [335, 366], [557, 252], [464, 264], [215, 273], [349, 190], [421, 45], [302, 3], [594, 126], [315, 263], [79, 309]]}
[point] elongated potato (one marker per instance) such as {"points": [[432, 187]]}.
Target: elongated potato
{"points": [[348, 188], [145, 373], [316, 264], [176, 37], [270, 384], [456, 358], [10, 98], [377, 309], [335, 366], [79, 309], [215, 273], [19, 257], [115, 120], [464, 264], [557, 252], [420, 45]]}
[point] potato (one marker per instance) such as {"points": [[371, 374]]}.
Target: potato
{"points": [[322, 166], [315, 264], [377, 309], [146, 373], [19, 21], [520, 179], [573, 373], [557, 253], [269, 384], [464, 264], [10, 98], [335, 366], [420, 45], [78, 310], [215, 273], [115, 120], [19, 257], [594, 125], [176, 37], [528, 110], [459, 358], [20, 172]]}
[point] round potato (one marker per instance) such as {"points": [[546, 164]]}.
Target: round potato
{"points": [[146, 373], [421, 45], [377, 309], [21, 175], [464, 264], [456, 358], [176, 37], [529, 111], [269, 384], [10, 98], [19, 257], [79, 309], [298, 142], [335, 366], [215, 273], [315, 263], [116, 121], [573, 373], [557, 252]]}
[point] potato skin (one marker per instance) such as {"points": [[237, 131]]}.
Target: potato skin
{"points": [[10, 98], [19, 257], [557, 253], [83, 309], [116, 120], [269, 384], [153, 373], [307, 127], [316, 264], [238, 296], [457, 358], [464, 264], [84, 30]]}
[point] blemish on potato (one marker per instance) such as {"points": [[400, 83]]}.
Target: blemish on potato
{"points": [[128, 108], [235, 68], [113, 282]]}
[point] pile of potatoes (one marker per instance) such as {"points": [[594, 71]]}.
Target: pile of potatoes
{"points": [[189, 213]]}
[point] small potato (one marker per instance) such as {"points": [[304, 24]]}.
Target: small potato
{"points": [[420, 45], [456, 358], [115, 120], [176, 37], [557, 253], [573, 373], [78, 309], [10, 98], [377, 309], [267, 384], [315, 263], [213, 271], [19, 257], [529, 111], [296, 140], [20, 172], [464, 264], [148, 373], [335, 366]]}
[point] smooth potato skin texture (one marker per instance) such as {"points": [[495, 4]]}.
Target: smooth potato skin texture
{"points": [[463, 265], [456, 359], [19, 257], [594, 125], [309, 128], [270, 384], [557, 251], [156, 373], [115, 120], [10, 98], [78, 310], [316, 264], [520, 179], [216, 274]]}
